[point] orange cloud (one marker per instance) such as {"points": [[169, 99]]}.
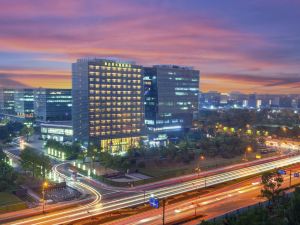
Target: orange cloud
{"points": [[62, 31]]}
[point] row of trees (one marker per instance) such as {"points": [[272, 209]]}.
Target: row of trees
{"points": [[184, 152], [224, 145], [269, 120], [138, 157], [7, 174], [239, 118], [71, 151], [35, 163], [282, 131], [9, 130], [227, 145], [281, 210], [12, 129], [27, 132]]}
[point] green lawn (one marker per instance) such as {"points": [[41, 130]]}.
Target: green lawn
{"points": [[10, 202], [164, 169], [167, 169]]}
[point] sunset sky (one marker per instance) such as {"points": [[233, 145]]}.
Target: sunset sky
{"points": [[247, 46]]}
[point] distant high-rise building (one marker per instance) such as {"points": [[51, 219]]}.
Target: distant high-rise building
{"points": [[285, 102], [171, 100], [210, 99], [107, 103], [298, 103], [258, 103], [252, 101], [24, 103], [224, 98], [275, 101], [7, 101], [245, 103], [237, 99], [53, 104]]}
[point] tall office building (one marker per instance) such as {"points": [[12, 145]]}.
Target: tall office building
{"points": [[171, 100], [224, 98], [252, 101], [7, 101], [53, 104], [107, 103], [24, 102]]}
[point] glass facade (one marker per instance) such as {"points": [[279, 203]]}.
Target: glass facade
{"points": [[171, 99], [53, 104], [24, 103], [108, 103], [58, 132], [7, 101]]}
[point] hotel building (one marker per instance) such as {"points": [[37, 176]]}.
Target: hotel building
{"points": [[107, 103]]}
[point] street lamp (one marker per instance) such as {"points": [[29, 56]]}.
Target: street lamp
{"points": [[195, 208], [202, 157], [248, 150], [45, 185]]}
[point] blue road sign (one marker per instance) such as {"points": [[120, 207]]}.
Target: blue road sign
{"points": [[154, 202], [282, 172], [296, 175]]}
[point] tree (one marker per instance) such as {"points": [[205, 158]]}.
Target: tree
{"points": [[294, 208], [272, 182], [27, 132], [38, 164], [92, 153], [3, 156], [14, 127], [4, 134], [7, 174], [227, 145], [71, 151]]}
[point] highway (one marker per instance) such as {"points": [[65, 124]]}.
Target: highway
{"points": [[216, 203], [98, 207]]}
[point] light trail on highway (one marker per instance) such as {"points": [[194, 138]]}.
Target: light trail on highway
{"points": [[208, 205], [95, 202], [96, 209]]}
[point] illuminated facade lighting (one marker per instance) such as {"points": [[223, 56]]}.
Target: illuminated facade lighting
{"points": [[53, 104], [7, 101], [171, 100], [108, 108], [24, 103]]}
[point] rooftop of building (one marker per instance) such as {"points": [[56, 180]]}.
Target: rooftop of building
{"points": [[107, 59], [171, 66], [66, 124]]}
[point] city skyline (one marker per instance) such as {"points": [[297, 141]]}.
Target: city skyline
{"points": [[249, 47]]}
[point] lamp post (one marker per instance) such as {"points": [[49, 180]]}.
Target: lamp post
{"points": [[45, 185], [198, 167], [248, 150], [164, 211], [195, 208]]}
